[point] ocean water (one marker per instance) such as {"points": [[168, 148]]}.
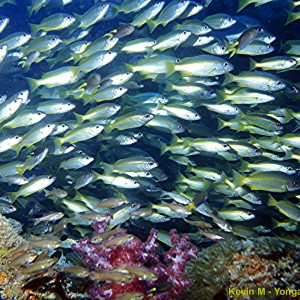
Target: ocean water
{"points": [[266, 218]]}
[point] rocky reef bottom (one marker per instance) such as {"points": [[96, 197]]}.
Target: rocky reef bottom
{"points": [[260, 268]]}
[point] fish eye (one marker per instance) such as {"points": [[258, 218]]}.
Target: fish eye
{"points": [[225, 146], [120, 89], [102, 5], [269, 47], [151, 163], [260, 30], [7, 197], [291, 61], [21, 94], [127, 73], [154, 42], [139, 134], [184, 32], [225, 64], [24, 34], [147, 116], [290, 169], [279, 82], [295, 183], [53, 39], [135, 182], [17, 137], [179, 126], [223, 48], [249, 213], [211, 92], [1, 47], [69, 104], [39, 113], [50, 177], [87, 157], [196, 115], [230, 19], [63, 125], [236, 109], [206, 27], [69, 18], [257, 150], [97, 126], [15, 101], [177, 61], [109, 52], [48, 126]]}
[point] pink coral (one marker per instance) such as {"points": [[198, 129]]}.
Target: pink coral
{"points": [[136, 253]]}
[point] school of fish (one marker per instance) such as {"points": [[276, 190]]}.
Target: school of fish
{"points": [[155, 112]]}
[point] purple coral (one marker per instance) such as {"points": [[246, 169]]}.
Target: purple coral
{"points": [[138, 254]]}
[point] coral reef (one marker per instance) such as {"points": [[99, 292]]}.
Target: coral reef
{"points": [[30, 269], [122, 264], [244, 265], [9, 233]]}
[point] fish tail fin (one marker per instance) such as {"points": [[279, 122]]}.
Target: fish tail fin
{"points": [[242, 4], [86, 99], [58, 142], [152, 25], [79, 118], [199, 199], [271, 201], [252, 63], [228, 78], [275, 223], [169, 86], [180, 178], [34, 28], [22, 63], [231, 48], [237, 178], [176, 140], [292, 17], [21, 170], [108, 128], [13, 196], [33, 84], [129, 67], [221, 124], [17, 148], [170, 69], [108, 169], [163, 148], [244, 166], [222, 178], [232, 52]]}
